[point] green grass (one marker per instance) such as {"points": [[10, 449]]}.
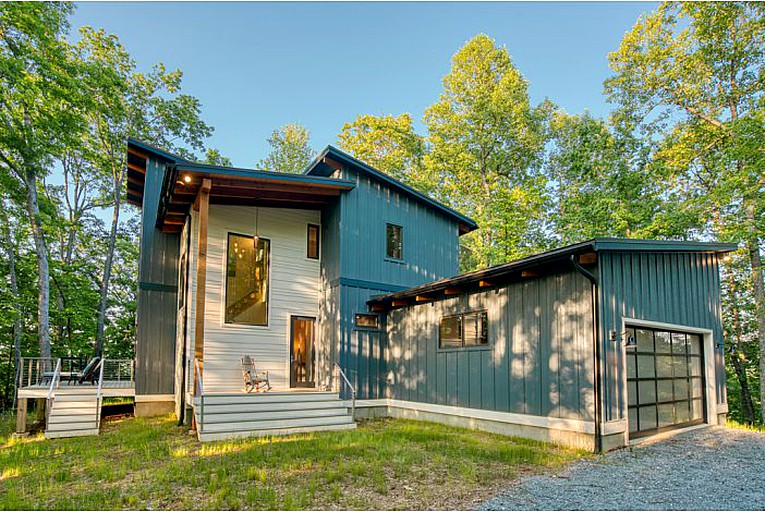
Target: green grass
{"points": [[152, 463], [743, 426]]}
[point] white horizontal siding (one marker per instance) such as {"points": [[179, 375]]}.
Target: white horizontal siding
{"points": [[294, 291]]}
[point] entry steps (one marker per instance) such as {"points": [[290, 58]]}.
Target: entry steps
{"points": [[232, 415], [74, 413]]}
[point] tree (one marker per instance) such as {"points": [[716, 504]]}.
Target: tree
{"points": [[486, 143], [129, 104], [40, 114], [691, 75], [290, 150], [388, 144], [600, 186], [214, 157]]}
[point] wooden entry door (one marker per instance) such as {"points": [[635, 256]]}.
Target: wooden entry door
{"points": [[302, 352]]}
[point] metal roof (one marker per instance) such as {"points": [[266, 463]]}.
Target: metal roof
{"points": [[548, 261], [320, 167]]}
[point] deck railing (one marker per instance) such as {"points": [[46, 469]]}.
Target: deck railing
{"points": [[118, 373], [38, 372], [199, 392], [343, 387]]}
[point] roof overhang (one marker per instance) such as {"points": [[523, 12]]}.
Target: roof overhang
{"points": [[229, 186], [332, 159], [546, 263]]}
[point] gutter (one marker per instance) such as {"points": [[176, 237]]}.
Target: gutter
{"points": [[596, 348]]}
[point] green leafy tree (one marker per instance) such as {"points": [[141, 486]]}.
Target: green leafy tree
{"points": [[487, 142], [691, 76], [214, 157], [290, 150], [40, 115], [389, 144]]}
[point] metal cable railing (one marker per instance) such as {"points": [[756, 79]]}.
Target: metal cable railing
{"points": [[37, 372], [344, 388], [100, 369]]}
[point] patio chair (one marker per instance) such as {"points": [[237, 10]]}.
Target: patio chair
{"points": [[88, 373], [253, 379]]}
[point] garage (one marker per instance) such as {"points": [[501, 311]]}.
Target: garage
{"points": [[665, 381]]}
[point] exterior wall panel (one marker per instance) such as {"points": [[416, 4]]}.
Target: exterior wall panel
{"points": [[539, 360], [673, 288], [157, 294]]}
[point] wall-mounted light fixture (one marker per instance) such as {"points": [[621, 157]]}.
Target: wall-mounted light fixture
{"points": [[187, 178]]}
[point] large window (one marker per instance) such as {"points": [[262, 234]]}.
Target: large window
{"points": [[394, 241], [247, 280], [464, 330]]}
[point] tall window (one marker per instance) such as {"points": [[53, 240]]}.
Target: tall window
{"points": [[247, 280], [394, 237], [464, 330], [313, 241]]}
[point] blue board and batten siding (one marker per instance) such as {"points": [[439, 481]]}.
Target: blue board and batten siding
{"points": [[157, 294], [539, 359], [356, 267], [674, 288]]}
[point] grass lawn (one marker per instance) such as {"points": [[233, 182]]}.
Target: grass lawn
{"points": [[152, 463]]}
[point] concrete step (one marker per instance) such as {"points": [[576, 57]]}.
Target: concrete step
{"points": [[276, 425]]}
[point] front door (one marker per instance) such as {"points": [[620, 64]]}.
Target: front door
{"points": [[302, 353]]}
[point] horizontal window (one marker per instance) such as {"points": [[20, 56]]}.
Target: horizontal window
{"points": [[368, 321], [464, 330]]}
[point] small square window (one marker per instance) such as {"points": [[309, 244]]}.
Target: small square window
{"points": [[368, 321], [394, 241], [313, 241]]}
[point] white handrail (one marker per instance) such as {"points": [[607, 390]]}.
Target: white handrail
{"points": [[54, 380], [98, 395], [341, 374]]}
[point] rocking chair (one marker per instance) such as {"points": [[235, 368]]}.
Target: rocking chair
{"points": [[254, 380]]}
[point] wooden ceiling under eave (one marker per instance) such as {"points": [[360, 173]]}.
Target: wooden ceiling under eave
{"points": [[136, 176], [256, 189]]}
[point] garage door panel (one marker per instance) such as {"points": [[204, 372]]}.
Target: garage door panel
{"points": [[664, 381]]}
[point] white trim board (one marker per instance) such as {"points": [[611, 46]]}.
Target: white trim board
{"points": [[568, 424], [155, 398]]}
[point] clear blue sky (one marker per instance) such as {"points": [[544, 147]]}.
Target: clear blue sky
{"points": [[257, 66]]}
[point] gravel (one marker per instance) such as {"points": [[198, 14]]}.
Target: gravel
{"points": [[712, 468]]}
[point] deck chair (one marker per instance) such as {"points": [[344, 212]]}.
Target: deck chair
{"points": [[253, 379], [88, 373]]}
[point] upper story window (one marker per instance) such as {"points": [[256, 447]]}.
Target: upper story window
{"points": [[367, 321], [464, 330], [394, 241], [247, 280], [313, 241]]}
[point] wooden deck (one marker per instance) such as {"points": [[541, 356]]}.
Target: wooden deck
{"points": [[108, 388]]}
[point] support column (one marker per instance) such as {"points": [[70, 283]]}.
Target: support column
{"points": [[202, 204], [21, 416]]}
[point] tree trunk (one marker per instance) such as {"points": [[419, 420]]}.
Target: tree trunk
{"points": [[43, 270], [755, 260], [737, 356], [10, 250], [108, 265]]}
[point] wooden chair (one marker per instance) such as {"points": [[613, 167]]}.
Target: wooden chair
{"points": [[253, 379]]}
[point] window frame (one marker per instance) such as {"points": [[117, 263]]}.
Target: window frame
{"points": [[388, 257], [366, 327], [462, 345], [224, 269], [308, 241]]}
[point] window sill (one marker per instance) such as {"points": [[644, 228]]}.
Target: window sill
{"points": [[394, 260], [474, 348]]}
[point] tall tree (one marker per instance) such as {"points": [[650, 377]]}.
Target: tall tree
{"points": [[40, 114], [388, 143], [487, 142], [290, 150], [693, 76], [130, 104]]}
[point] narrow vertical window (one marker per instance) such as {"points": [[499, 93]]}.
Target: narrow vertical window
{"points": [[394, 241], [247, 280], [313, 241]]}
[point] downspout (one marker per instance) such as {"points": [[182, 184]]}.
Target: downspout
{"points": [[596, 347]]}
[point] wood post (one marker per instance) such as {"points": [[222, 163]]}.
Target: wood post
{"points": [[203, 206], [21, 416]]}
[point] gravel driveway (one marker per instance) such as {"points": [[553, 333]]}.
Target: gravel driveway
{"points": [[714, 468]]}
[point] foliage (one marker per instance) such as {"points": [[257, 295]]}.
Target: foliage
{"points": [[290, 150], [383, 464], [486, 143], [388, 144]]}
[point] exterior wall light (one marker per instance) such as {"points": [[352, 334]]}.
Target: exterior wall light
{"points": [[187, 178]]}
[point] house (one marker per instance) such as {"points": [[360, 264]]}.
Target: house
{"points": [[342, 283]]}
